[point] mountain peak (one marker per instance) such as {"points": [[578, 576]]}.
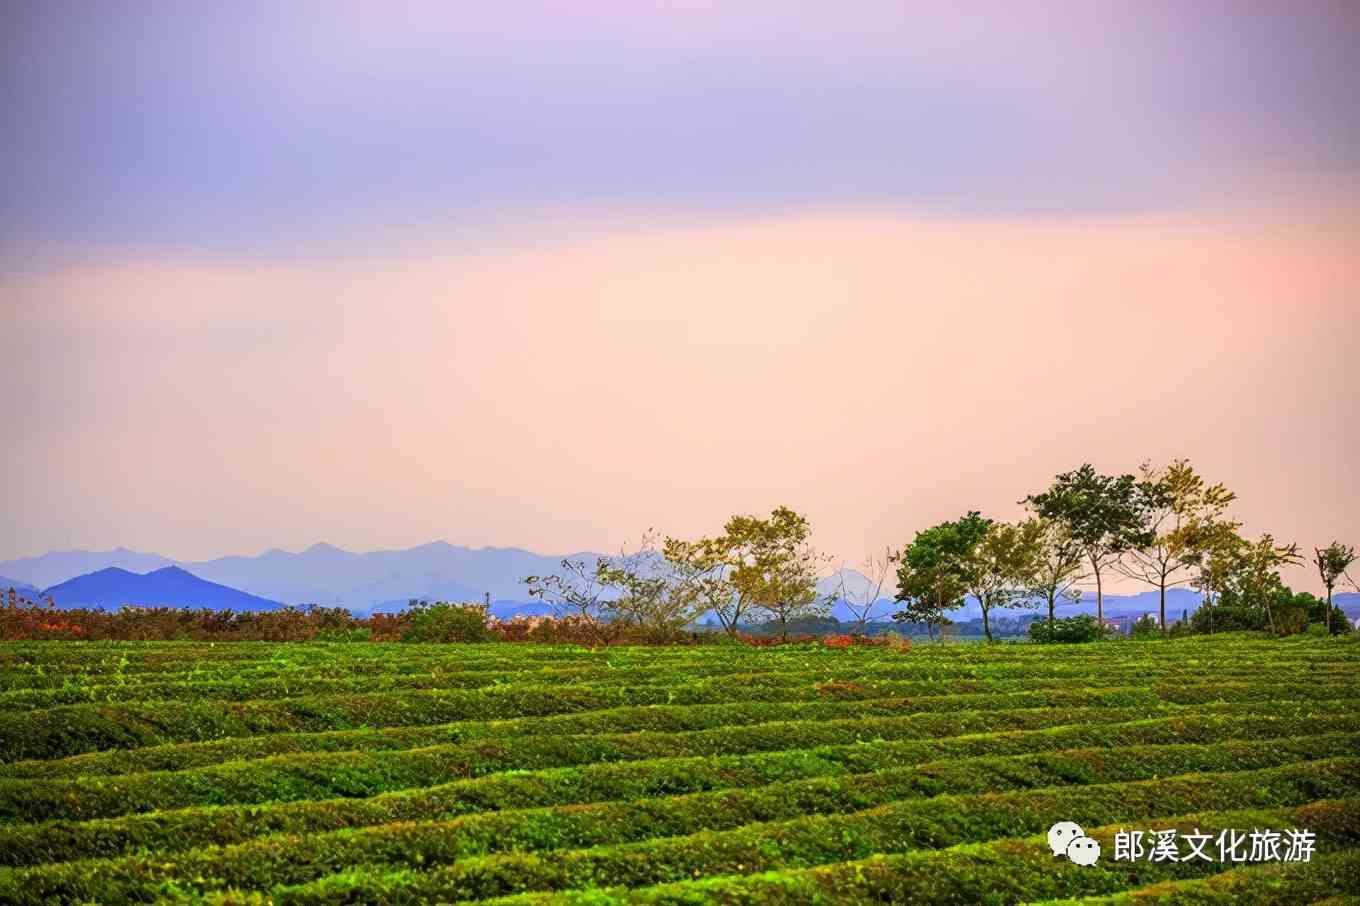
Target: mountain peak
{"points": [[321, 547], [169, 586], [112, 572], [169, 571]]}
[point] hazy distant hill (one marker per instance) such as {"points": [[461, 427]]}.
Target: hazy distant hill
{"points": [[169, 587], [22, 588], [1177, 599], [324, 574], [58, 566], [386, 580]]}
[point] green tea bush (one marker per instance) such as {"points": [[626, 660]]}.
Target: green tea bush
{"points": [[444, 622], [368, 772], [1080, 628]]}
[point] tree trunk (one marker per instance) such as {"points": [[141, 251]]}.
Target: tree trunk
{"points": [[930, 629], [1163, 607], [1327, 617], [1100, 598], [986, 625], [1051, 595]]}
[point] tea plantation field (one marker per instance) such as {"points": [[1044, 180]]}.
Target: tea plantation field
{"points": [[506, 773]]}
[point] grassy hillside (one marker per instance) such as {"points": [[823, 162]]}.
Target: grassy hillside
{"points": [[372, 773]]}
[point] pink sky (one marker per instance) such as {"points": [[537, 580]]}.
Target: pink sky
{"points": [[546, 274], [877, 372]]}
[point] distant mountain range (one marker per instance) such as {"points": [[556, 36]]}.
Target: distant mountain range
{"points": [[169, 586], [22, 588], [386, 580], [324, 574]]}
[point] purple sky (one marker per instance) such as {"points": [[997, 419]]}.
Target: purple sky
{"points": [[546, 273], [263, 128]]}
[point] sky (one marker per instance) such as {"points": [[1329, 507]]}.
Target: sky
{"points": [[546, 275]]}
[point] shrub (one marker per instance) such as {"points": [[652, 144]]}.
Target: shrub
{"points": [[444, 622], [362, 634], [1145, 627], [1228, 618], [1081, 628], [1180, 629]]}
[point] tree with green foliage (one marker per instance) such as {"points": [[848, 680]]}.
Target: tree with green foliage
{"points": [[1146, 628], [1058, 567], [445, 622], [700, 568], [1213, 556], [925, 610], [1177, 507], [1067, 630], [1332, 562], [934, 570], [1002, 565], [1102, 512], [653, 593], [771, 566], [1249, 577]]}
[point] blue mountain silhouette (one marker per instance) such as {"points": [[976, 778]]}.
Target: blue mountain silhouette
{"points": [[166, 587]]}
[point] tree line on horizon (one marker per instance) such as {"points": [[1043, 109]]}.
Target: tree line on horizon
{"points": [[1163, 527]]}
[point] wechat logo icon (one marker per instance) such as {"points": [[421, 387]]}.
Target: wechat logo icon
{"points": [[1067, 839]]}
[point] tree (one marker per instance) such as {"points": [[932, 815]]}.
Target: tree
{"points": [[1332, 562], [1002, 565], [1058, 567], [923, 610], [1213, 556], [580, 591], [654, 594], [1250, 576], [933, 570], [1103, 513], [1177, 506], [771, 566], [1080, 628], [862, 600], [445, 622], [700, 567]]}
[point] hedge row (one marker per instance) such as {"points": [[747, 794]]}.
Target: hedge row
{"points": [[897, 827], [711, 661], [657, 718], [276, 685], [201, 826], [672, 718], [36, 659], [529, 850], [76, 729], [362, 773], [999, 873], [187, 828], [73, 729], [1325, 880]]}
